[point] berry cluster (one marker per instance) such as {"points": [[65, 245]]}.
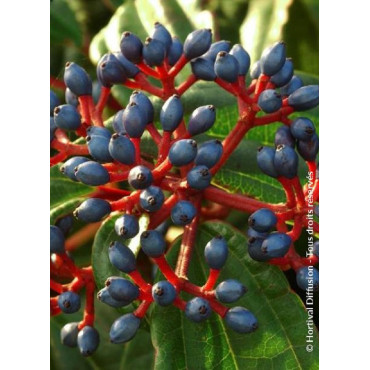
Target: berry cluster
{"points": [[175, 185]]}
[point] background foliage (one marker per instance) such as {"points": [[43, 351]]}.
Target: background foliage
{"points": [[82, 31]]}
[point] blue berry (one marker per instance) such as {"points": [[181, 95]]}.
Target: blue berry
{"points": [[56, 240], [226, 67], [96, 90], [122, 289], [98, 131], [131, 47], [92, 210], [152, 198], [171, 113], [316, 210], [163, 293], [252, 233], [134, 120], [122, 149], [175, 51], [276, 245], [65, 224], [273, 59], [66, 117], [197, 309], [216, 252], [183, 213], [265, 161], [68, 334], [104, 296], [127, 226], [203, 69], [144, 103], [262, 220], [302, 129], [243, 58], [209, 153], [241, 320], [124, 328], [122, 257], [254, 249], [270, 101], [161, 34], [304, 98], [152, 243], [309, 149], [202, 119], [130, 68], [140, 177], [98, 146], [308, 278], [53, 128], [77, 79], [283, 136], [68, 168], [92, 173], [182, 152], [255, 70], [117, 123], [286, 161], [110, 71], [197, 43], [215, 48], [316, 248], [199, 177], [153, 52], [54, 102], [294, 84], [88, 340], [285, 74], [69, 302], [230, 291]]}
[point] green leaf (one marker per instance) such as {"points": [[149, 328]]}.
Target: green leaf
{"points": [[279, 342], [64, 209], [63, 189]]}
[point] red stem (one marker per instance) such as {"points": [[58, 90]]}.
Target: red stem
{"points": [[191, 80], [178, 66], [157, 137], [142, 309], [166, 270], [104, 96], [212, 279]]}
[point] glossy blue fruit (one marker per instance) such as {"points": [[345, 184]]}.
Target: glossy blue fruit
{"points": [[197, 309], [316, 248], [96, 90], [88, 340], [265, 161], [285, 74], [197, 43], [152, 198], [230, 291], [121, 289], [270, 101], [251, 233], [171, 113], [121, 257], [294, 84], [302, 129], [65, 224], [255, 70], [286, 161], [92, 210], [54, 102], [243, 58], [140, 177], [283, 136], [144, 103], [209, 153], [110, 71], [183, 213], [117, 123], [131, 47], [124, 328], [98, 146], [262, 220], [92, 173], [202, 119], [68, 168], [154, 52], [273, 59], [56, 240], [309, 149], [226, 67], [134, 120], [68, 334], [199, 177], [69, 302], [98, 131], [203, 69], [276, 245], [53, 128], [77, 79], [163, 293], [152, 243], [183, 152], [122, 149], [175, 51], [215, 48], [308, 278], [67, 117], [127, 226], [241, 320], [130, 68], [216, 252], [304, 98], [254, 249], [161, 34], [104, 296]]}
